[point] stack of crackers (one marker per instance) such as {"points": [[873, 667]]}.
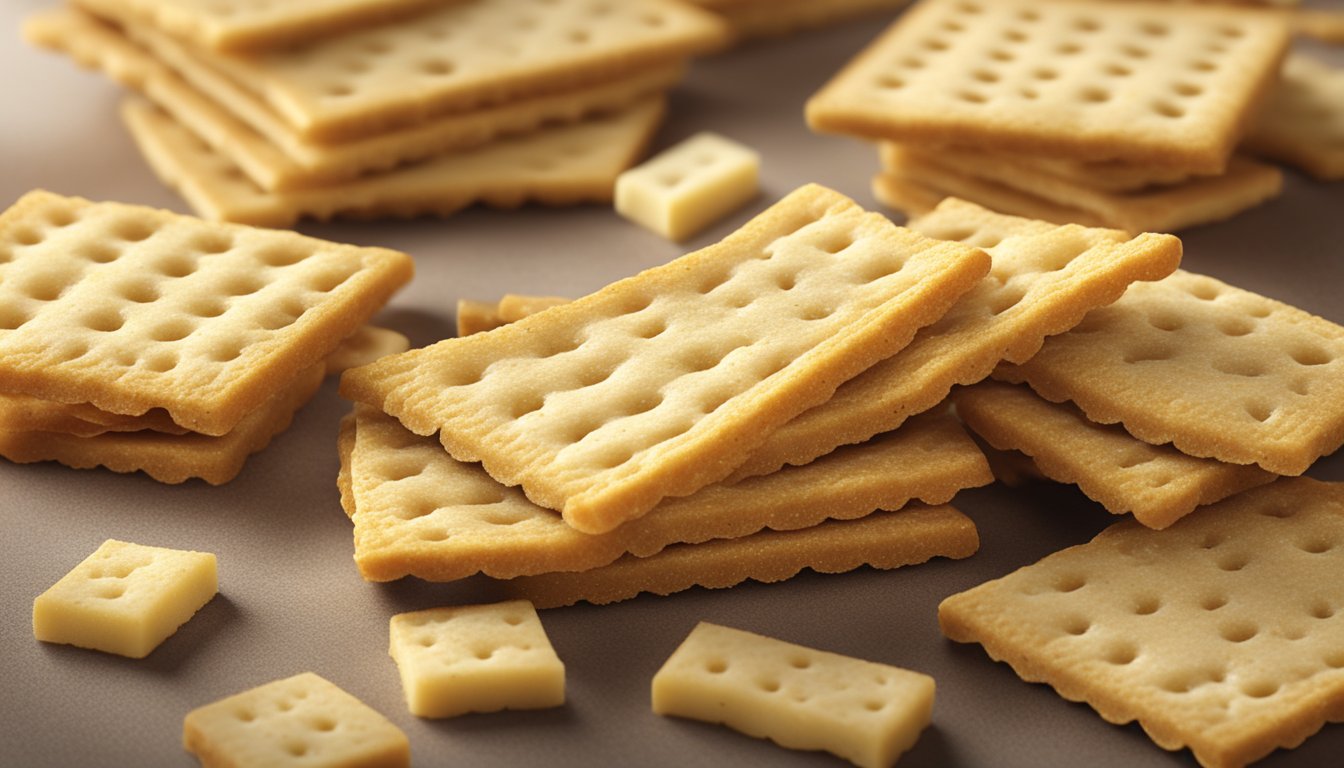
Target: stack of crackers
{"points": [[264, 114], [142, 340], [1123, 115]]}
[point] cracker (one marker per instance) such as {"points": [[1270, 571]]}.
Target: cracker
{"points": [[1201, 200], [23, 413], [417, 512], [364, 346], [1157, 483], [751, 19], [884, 540], [476, 317], [916, 198], [130, 308], [246, 131], [1043, 280], [1217, 371], [660, 384], [1303, 123], [165, 457], [515, 306], [238, 25], [1086, 80], [1215, 634], [461, 57], [1320, 23], [565, 165], [687, 187]]}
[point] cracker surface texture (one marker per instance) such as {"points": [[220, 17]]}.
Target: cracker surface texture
{"points": [[1215, 634], [798, 697], [476, 658], [689, 186], [125, 598]]}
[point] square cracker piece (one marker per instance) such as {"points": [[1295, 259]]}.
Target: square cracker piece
{"points": [[1211, 634], [1215, 370], [131, 308], [1303, 122], [1158, 483], [418, 512], [1044, 279], [1087, 80], [664, 382]]}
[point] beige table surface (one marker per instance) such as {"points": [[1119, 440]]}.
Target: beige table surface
{"points": [[290, 597]]}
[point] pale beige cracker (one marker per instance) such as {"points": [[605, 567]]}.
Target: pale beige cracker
{"points": [[680, 191], [915, 198], [1323, 24], [565, 165], [1157, 483], [513, 307], [462, 57], [800, 698], [418, 512], [661, 383], [364, 346], [1217, 371], [252, 25], [245, 130], [302, 720], [477, 316], [1244, 184], [169, 458], [1303, 122], [884, 540], [1219, 634], [129, 308], [1044, 279], [1084, 80], [752, 19]]}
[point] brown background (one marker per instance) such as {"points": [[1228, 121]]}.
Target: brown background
{"points": [[291, 599]]}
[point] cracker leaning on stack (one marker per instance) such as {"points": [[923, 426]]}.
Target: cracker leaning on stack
{"points": [[138, 339], [1102, 113], [490, 101]]}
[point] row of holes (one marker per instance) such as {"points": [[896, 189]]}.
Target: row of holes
{"points": [[718, 666]]}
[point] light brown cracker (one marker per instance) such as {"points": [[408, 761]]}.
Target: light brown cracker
{"points": [[1303, 123], [477, 316], [916, 198], [1323, 24], [515, 306], [24, 413], [1218, 634], [751, 19]]}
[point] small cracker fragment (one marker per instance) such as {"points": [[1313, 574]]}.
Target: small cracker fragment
{"points": [[129, 308], [364, 346], [418, 512], [660, 384], [302, 720], [687, 187], [477, 317], [1217, 371], [1157, 483], [1218, 633], [1303, 122], [515, 306], [798, 697], [1044, 279]]}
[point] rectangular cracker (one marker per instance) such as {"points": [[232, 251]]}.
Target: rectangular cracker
{"points": [[1212, 634], [241, 26], [1303, 122], [1217, 371], [565, 165], [1157, 483], [1044, 279], [418, 512], [129, 308], [1086, 80], [165, 457], [660, 384], [916, 198], [246, 131], [459, 58], [1203, 199]]}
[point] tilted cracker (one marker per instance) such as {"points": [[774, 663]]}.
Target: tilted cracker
{"points": [[419, 512], [242, 128], [1218, 634], [566, 165], [883, 540], [1158, 483], [129, 308], [916, 198], [752, 19], [165, 457], [1303, 122], [1217, 371], [462, 57], [1043, 280], [1200, 200], [1087, 80], [660, 384], [239, 25]]}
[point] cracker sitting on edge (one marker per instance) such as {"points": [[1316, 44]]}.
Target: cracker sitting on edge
{"points": [[1218, 633], [660, 384]]}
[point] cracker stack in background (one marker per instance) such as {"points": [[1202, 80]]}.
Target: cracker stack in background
{"points": [[443, 105], [139, 339], [1104, 113]]}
